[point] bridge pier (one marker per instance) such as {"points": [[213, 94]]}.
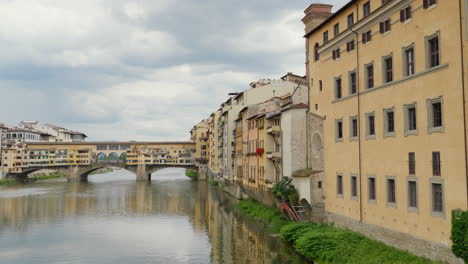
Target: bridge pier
{"points": [[74, 174], [142, 174]]}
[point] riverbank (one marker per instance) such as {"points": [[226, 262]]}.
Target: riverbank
{"points": [[50, 176], [101, 171], [325, 243], [4, 182], [191, 174]]}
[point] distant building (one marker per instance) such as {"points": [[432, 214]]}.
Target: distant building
{"points": [[57, 134]]}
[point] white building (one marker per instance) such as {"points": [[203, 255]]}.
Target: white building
{"points": [[57, 134]]}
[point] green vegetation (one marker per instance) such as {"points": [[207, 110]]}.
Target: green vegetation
{"points": [[264, 214], [6, 182], [285, 191], [102, 171], [51, 176], [460, 234], [191, 174], [327, 244], [214, 184]]}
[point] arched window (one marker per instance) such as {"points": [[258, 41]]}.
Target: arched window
{"points": [[316, 52]]}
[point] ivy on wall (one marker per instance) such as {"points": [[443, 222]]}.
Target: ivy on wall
{"points": [[460, 234]]}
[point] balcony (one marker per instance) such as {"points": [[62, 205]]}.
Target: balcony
{"points": [[273, 155], [274, 130]]}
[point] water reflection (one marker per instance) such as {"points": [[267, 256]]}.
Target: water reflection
{"points": [[113, 219]]}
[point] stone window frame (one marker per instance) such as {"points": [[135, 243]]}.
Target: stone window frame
{"points": [[340, 195], [371, 201], [336, 87], [391, 204], [351, 118], [406, 119], [337, 139], [437, 180], [366, 81], [410, 208], [349, 82], [351, 186], [386, 133], [430, 120], [384, 70], [369, 136], [428, 50], [404, 59]]}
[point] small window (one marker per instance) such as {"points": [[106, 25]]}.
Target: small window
{"points": [[353, 122], [391, 196], [436, 163], [350, 20], [388, 69], [370, 76], [409, 61], [385, 26], [434, 52], [319, 185], [411, 127], [435, 117], [350, 46], [366, 8], [316, 52], [428, 3], [320, 85], [372, 190], [352, 83], [336, 54], [354, 186], [389, 122], [366, 37], [339, 185], [437, 198], [405, 14], [336, 29], [370, 126], [338, 88], [325, 37], [412, 194], [339, 130], [411, 163]]}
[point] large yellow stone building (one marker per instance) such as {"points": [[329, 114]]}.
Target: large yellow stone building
{"points": [[388, 77]]}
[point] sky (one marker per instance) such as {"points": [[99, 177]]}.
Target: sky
{"points": [[140, 69]]}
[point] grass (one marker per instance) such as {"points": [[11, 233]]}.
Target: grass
{"points": [[4, 182], [191, 174], [326, 244], [101, 171], [51, 176]]}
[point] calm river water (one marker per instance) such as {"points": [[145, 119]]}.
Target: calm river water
{"points": [[114, 219]]}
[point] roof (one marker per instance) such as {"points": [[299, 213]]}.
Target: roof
{"points": [[296, 106], [339, 11], [77, 133]]}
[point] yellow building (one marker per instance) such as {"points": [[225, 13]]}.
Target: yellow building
{"points": [[388, 79]]}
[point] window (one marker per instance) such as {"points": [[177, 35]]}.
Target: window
{"points": [[339, 130], [320, 85], [325, 37], [354, 187], [436, 163], [353, 123], [405, 14], [352, 83], [370, 76], [410, 120], [434, 52], [316, 52], [338, 90], [366, 9], [370, 126], [409, 61], [339, 185], [437, 198], [350, 46], [428, 3], [385, 26], [389, 122], [336, 54], [388, 69], [336, 29], [435, 117], [366, 37], [372, 190], [391, 195], [411, 163], [412, 194], [350, 20]]}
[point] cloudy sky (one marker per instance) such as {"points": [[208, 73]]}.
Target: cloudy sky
{"points": [[140, 69]]}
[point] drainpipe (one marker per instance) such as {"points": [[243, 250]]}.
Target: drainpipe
{"points": [[358, 114], [463, 90]]}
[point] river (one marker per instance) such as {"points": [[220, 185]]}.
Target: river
{"points": [[114, 219]]}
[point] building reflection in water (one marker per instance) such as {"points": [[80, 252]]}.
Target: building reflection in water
{"points": [[210, 212]]}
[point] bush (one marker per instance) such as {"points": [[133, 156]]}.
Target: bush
{"points": [[191, 174], [262, 213], [285, 191], [460, 234]]}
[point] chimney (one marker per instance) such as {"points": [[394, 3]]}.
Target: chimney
{"points": [[315, 14]]}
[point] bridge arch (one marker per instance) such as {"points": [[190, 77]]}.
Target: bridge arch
{"points": [[113, 156], [101, 156], [123, 156]]}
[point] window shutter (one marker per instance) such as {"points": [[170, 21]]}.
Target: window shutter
{"points": [[382, 27], [408, 12], [425, 3], [402, 15], [369, 37], [364, 37]]}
